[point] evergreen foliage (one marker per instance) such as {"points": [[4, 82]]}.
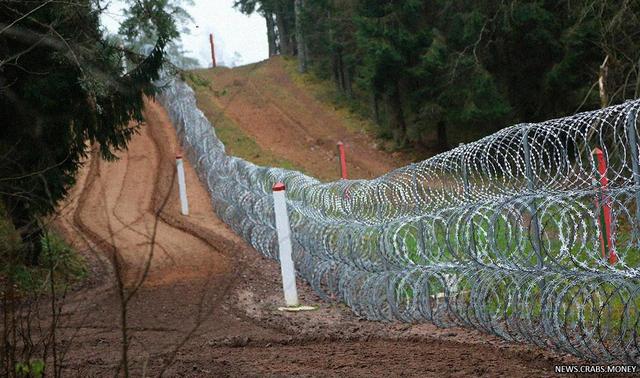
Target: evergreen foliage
{"points": [[140, 30], [447, 71], [62, 89]]}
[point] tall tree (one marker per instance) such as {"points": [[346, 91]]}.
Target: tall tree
{"points": [[284, 11], [390, 35], [62, 89], [280, 19], [300, 40], [461, 69], [271, 33], [444, 71], [138, 30]]}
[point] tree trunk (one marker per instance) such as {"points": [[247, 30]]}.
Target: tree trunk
{"points": [[335, 72], [342, 79], [348, 89], [340, 70], [300, 41], [335, 75], [376, 107], [271, 34], [283, 34], [397, 114], [602, 83], [30, 232]]}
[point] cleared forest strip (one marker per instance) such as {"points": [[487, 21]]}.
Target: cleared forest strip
{"points": [[287, 120], [239, 331]]}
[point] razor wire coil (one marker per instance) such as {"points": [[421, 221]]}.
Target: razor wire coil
{"points": [[515, 234]]}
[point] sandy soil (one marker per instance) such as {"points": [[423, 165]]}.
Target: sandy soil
{"points": [[208, 306]]}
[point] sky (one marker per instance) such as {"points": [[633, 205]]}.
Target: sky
{"points": [[239, 39]]}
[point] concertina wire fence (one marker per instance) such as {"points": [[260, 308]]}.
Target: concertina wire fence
{"points": [[518, 234]]}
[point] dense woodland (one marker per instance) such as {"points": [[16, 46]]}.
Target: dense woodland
{"points": [[436, 73], [66, 88], [66, 84]]}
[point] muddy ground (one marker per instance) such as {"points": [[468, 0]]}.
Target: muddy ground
{"points": [[208, 305]]}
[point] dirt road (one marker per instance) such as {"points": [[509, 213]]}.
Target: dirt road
{"points": [[208, 306]]}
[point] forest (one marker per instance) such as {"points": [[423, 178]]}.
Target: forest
{"points": [[105, 270], [437, 73]]}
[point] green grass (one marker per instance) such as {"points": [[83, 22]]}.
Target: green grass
{"points": [[58, 261], [508, 236], [236, 141], [582, 306], [355, 114]]}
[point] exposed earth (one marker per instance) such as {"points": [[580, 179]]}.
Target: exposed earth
{"points": [[271, 104], [208, 305]]}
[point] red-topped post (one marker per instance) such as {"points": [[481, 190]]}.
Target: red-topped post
{"points": [[182, 185], [284, 245], [343, 160], [213, 50], [604, 205]]}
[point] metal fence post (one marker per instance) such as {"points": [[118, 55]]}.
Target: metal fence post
{"points": [[343, 160], [213, 51], [604, 207]]}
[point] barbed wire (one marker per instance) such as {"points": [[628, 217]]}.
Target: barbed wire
{"points": [[531, 233]]}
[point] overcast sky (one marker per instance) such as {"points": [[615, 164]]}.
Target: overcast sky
{"points": [[233, 32]]}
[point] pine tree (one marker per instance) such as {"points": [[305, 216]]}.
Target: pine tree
{"points": [[62, 90], [455, 70]]}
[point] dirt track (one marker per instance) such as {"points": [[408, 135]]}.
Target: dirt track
{"points": [[264, 100], [208, 305]]}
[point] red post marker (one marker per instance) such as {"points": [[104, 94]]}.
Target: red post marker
{"points": [[343, 160], [602, 203], [213, 51]]}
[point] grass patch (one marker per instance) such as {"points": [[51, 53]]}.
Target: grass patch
{"points": [[58, 261], [236, 141], [196, 81], [354, 113]]}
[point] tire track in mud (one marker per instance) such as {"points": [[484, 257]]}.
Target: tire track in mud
{"points": [[359, 159], [211, 308], [130, 199]]}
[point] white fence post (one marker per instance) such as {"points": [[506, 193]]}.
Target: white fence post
{"points": [[284, 243], [182, 185]]}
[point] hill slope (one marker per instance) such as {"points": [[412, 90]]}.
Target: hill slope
{"points": [[264, 113]]}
